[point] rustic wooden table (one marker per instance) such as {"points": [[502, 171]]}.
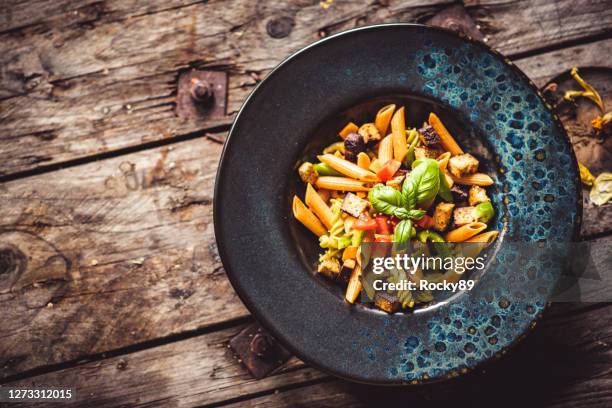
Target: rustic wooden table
{"points": [[110, 280]]}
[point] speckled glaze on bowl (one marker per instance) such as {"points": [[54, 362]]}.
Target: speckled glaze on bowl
{"points": [[537, 194]]}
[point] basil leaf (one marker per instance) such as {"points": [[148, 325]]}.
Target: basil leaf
{"points": [[403, 232], [422, 184], [444, 191], [385, 199]]}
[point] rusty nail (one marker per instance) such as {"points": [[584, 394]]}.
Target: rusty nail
{"points": [[201, 91], [262, 344]]}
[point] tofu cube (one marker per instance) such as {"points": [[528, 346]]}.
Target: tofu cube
{"points": [[462, 164], [330, 268], [307, 173], [464, 215], [387, 302], [422, 152], [478, 195], [442, 216], [354, 205]]}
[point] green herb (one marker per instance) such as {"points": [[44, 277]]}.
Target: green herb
{"points": [[444, 191], [325, 170], [422, 184], [403, 232], [388, 200], [484, 212]]}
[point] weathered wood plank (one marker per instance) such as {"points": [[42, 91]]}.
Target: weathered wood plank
{"points": [[110, 254], [198, 371], [107, 81], [564, 361], [559, 365]]}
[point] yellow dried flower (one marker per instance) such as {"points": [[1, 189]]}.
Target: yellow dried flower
{"points": [[601, 192], [588, 91], [602, 124], [585, 175]]}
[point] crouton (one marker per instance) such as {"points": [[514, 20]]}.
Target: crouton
{"points": [[396, 182], [330, 268], [442, 216], [462, 164], [307, 173], [387, 302], [478, 195], [429, 136], [464, 215], [354, 205], [422, 152], [369, 132]]}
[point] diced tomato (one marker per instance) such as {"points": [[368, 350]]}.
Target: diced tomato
{"points": [[388, 170], [383, 225], [365, 223], [426, 222]]}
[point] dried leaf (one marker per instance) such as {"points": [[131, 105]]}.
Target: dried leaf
{"points": [[601, 192], [588, 92], [585, 175]]}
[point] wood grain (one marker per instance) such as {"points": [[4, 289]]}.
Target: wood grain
{"points": [[113, 214], [106, 81], [561, 361], [110, 254]]}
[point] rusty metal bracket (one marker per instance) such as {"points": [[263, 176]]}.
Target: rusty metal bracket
{"points": [[202, 94], [258, 351], [457, 19]]}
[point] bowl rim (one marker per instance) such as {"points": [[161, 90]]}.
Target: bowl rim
{"points": [[221, 245]]}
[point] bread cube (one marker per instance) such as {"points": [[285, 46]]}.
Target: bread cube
{"points": [[462, 164], [442, 216], [478, 195], [464, 215]]}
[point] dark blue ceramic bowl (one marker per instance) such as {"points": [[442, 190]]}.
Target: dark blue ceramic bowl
{"points": [[488, 104]]}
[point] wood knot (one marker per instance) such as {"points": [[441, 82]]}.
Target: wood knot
{"points": [[12, 261], [280, 27]]}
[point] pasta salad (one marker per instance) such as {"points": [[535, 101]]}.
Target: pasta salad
{"points": [[382, 182]]}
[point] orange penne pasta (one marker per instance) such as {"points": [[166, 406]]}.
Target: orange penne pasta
{"points": [[447, 141], [383, 117], [341, 184], [317, 205], [307, 218], [443, 160], [354, 285], [363, 161], [398, 133], [350, 252], [478, 179], [385, 149], [349, 128], [465, 232], [485, 237], [348, 168], [449, 179]]}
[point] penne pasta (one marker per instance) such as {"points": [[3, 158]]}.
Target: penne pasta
{"points": [[354, 285], [383, 117], [307, 218], [485, 237], [465, 232], [316, 204], [349, 128], [478, 179], [398, 133], [443, 160], [348, 168], [449, 179], [385, 149], [447, 141], [341, 184], [363, 161]]}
